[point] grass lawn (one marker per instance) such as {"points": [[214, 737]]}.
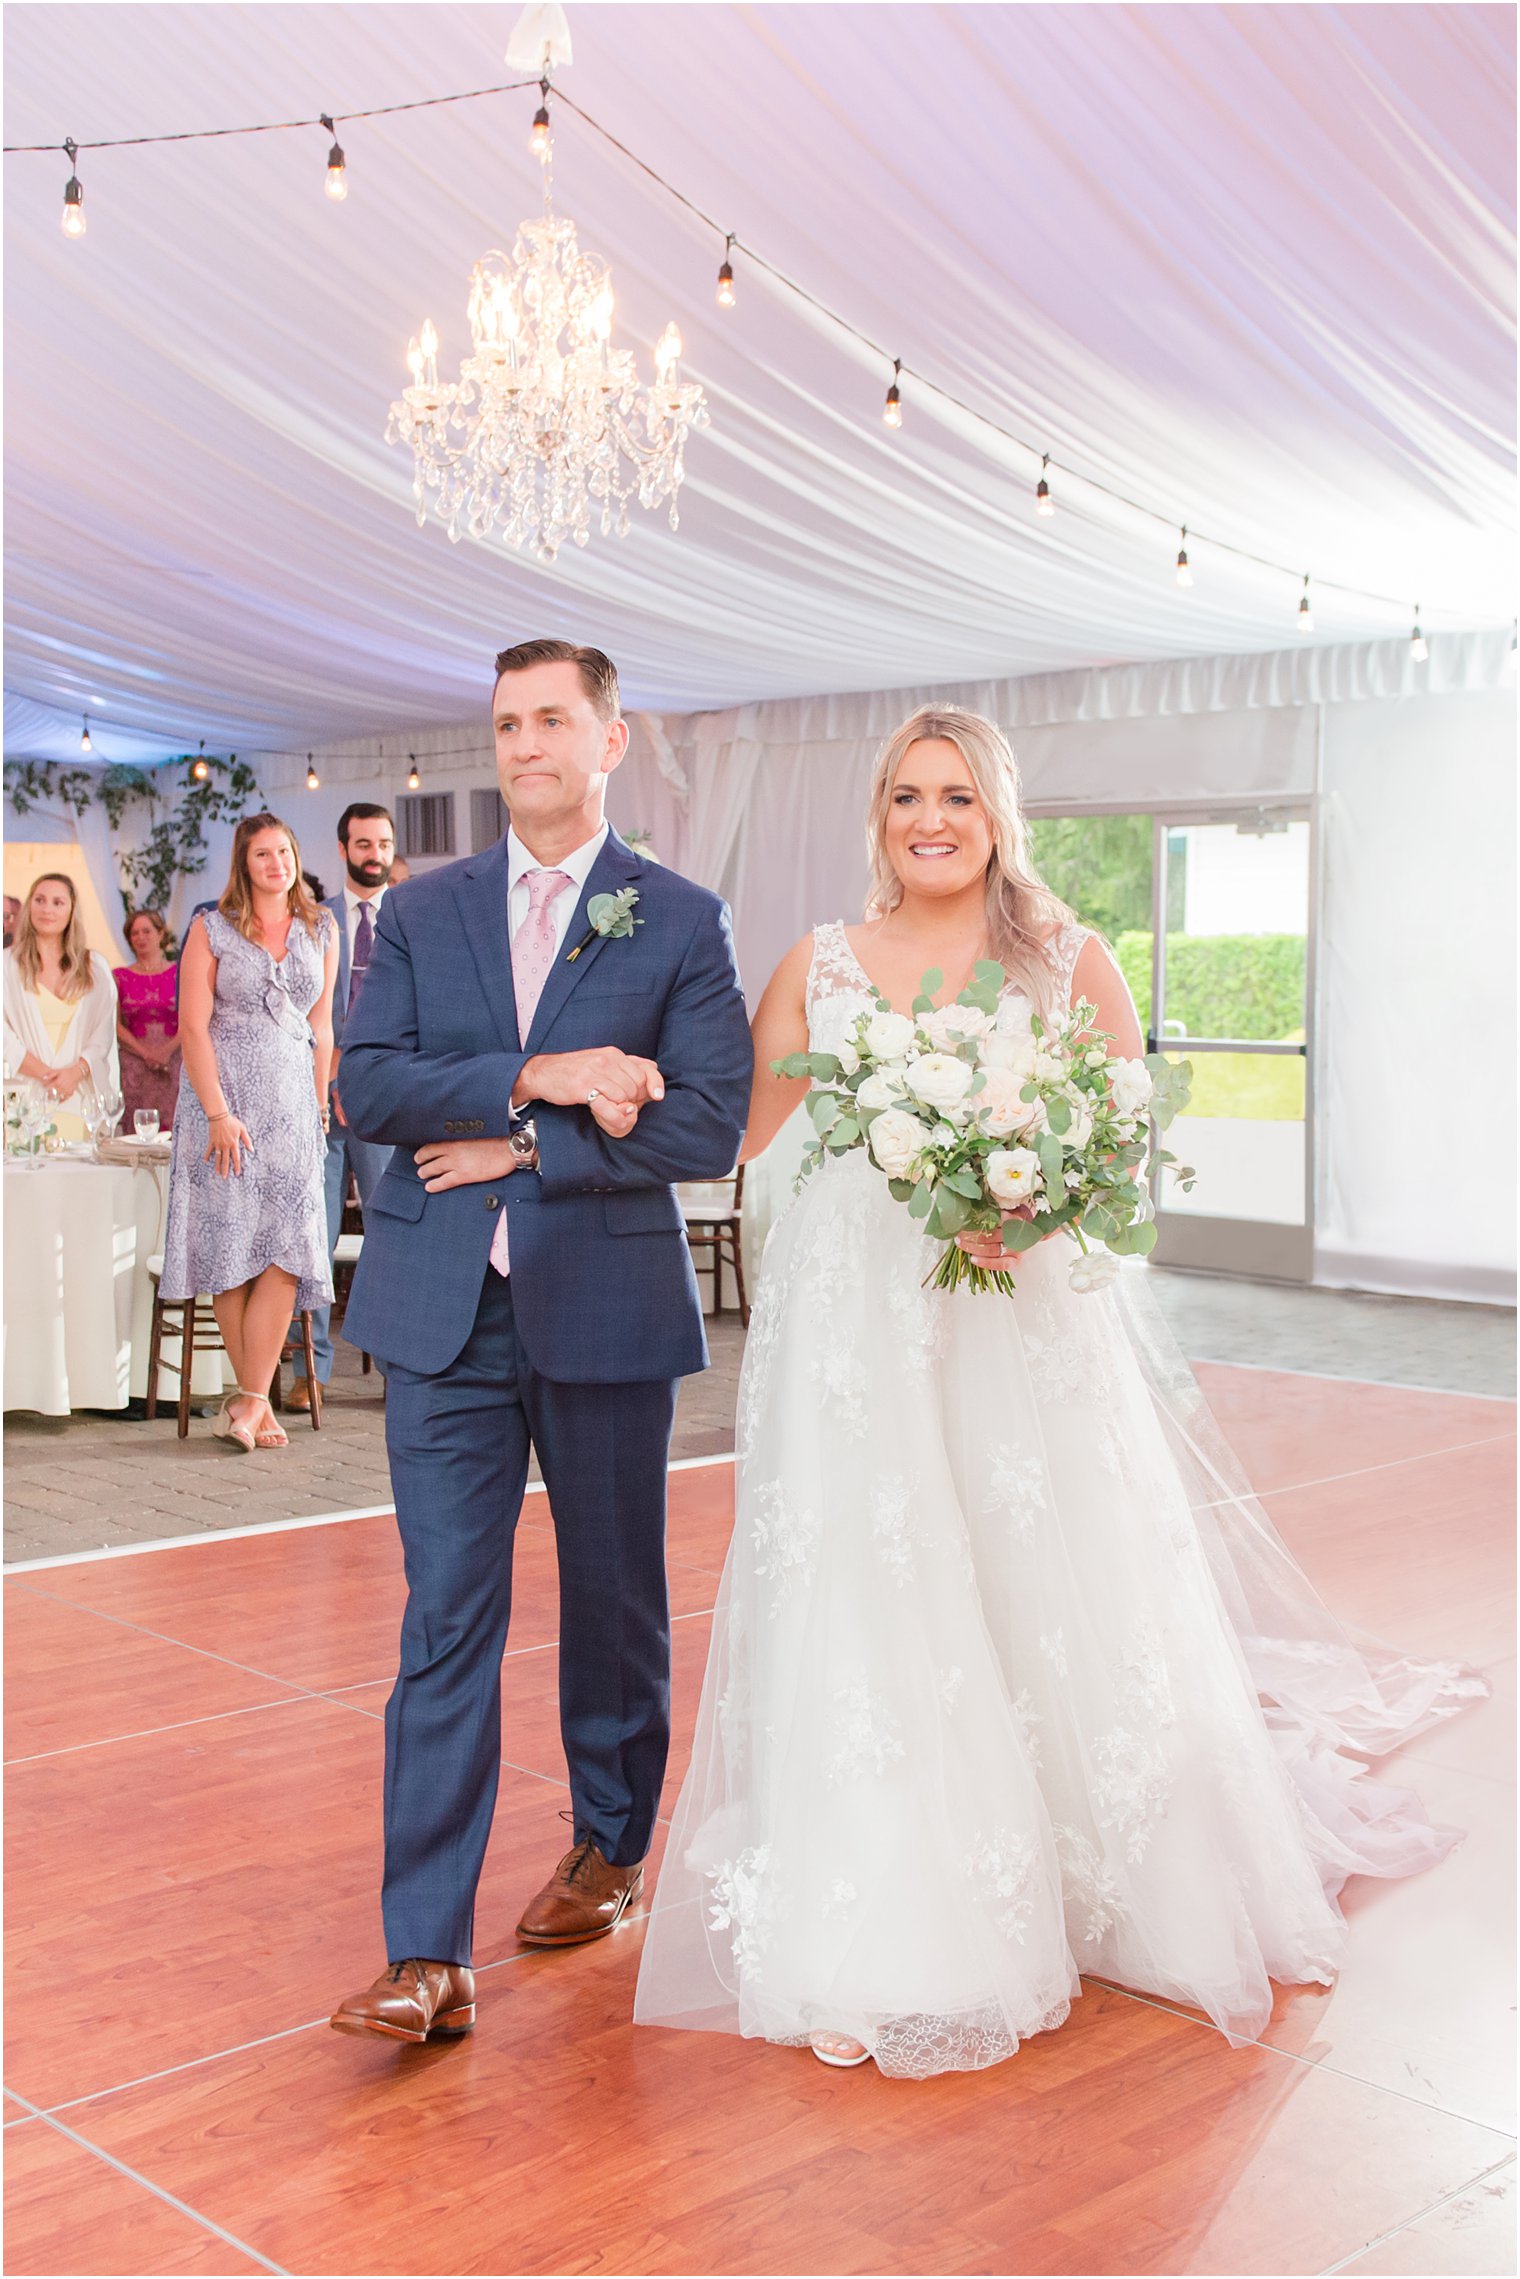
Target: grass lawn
{"points": [[1259, 1086]]}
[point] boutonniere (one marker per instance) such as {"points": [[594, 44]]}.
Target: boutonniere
{"points": [[611, 916]]}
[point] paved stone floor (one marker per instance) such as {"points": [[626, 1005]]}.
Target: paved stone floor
{"points": [[82, 1483]]}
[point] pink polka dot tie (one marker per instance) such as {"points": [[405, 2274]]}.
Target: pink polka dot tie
{"points": [[533, 948]]}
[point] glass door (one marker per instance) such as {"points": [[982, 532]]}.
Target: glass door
{"points": [[1231, 991]]}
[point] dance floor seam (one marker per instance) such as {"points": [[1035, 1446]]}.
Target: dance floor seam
{"points": [[244, 1854]]}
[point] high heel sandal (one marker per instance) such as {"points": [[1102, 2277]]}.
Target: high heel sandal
{"points": [[224, 1426], [861, 2054]]}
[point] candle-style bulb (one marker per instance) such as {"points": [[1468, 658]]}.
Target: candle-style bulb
{"points": [[1043, 502], [84, 742], [892, 409], [1184, 572], [427, 339], [667, 353], [415, 360]]}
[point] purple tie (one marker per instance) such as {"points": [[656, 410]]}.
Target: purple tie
{"points": [[364, 942], [533, 948]]}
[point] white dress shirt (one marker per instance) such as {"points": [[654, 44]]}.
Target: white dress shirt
{"points": [[576, 867], [352, 905]]}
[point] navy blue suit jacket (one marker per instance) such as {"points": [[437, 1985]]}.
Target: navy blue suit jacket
{"points": [[602, 1285]]}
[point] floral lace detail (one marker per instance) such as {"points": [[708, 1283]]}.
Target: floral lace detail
{"points": [[1094, 1901], [839, 1900], [785, 1540], [744, 1901], [1003, 1868], [1026, 1717], [947, 1684], [894, 1529], [1132, 1768], [1054, 1650], [914, 2048], [866, 1736], [1017, 1488]]}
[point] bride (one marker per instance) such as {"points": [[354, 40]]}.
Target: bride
{"points": [[1010, 1678]]}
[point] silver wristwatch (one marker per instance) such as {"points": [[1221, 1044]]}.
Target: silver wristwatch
{"points": [[522, 1141]]}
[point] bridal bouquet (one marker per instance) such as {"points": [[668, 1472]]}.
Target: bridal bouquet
{"points": [[979, 1109]]}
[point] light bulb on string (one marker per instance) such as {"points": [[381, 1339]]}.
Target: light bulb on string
{"points": [[337, 178], [1305, 613], [413, 780], [726, 276], [84, 741], [541, 140], [313, 780], [1184, 571], [1043, 502], [1419, 647], [73, 196], [892, 409], [200, 766]]}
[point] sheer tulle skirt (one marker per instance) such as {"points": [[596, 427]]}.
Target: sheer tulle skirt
{"points": [[1010, 1680]]}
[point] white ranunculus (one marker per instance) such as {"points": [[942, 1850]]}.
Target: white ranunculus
{"points": [[998, 1108], [895, 1140], [888, 1036], [1012, 1174], [939, 1080], [848, 1057], [883, 1088], [1130, 1083], [1094, 1270], [1049, 1067], [1013, 1053], [954, 1024]]}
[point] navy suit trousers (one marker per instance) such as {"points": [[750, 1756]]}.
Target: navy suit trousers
{"points": [[458, 1444]]}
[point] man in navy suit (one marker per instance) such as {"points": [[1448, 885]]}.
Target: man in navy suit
{"points": [[550, 1035], [367, 843]]}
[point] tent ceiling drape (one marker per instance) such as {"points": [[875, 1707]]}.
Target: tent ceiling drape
{"points": [[1251, 264]]}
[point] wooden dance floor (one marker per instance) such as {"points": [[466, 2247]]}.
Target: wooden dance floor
{"points": [[195, 1753]]}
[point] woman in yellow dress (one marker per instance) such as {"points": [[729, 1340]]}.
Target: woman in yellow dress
{"points": [[60, 1003]]}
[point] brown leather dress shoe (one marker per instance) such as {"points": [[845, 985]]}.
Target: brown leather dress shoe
{"points": [[299, 1396], [411, 2001], [585, 1898]]}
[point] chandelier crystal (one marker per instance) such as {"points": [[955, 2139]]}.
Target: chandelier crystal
{"points": [[547, 423]]}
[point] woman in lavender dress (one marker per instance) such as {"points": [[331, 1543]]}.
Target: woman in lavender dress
{"points": [[147, 1020], [246, 1215]]}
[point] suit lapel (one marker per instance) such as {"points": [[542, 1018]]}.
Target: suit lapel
{"points": [[482, 897], [616, 866], [339, 908]]}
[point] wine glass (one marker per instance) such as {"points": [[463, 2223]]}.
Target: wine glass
{"points": [[33, 1113], [112, 1103], [145, 1123]]}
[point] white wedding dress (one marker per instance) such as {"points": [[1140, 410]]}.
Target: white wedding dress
{"points": [[1010, 1677]]}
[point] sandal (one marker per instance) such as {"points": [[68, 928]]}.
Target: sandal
{"points": [[224, 1427], [270, 1433], [839, 2049]]}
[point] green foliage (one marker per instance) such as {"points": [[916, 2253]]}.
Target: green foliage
{"points": [[1223, 985], [174, 846], [1101, 865]]}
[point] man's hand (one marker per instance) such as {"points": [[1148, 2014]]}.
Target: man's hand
{"points": [[595, 1079], [463, 1163]]}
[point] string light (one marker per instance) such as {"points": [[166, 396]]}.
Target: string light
{"points": [[1184, 573], [200, 766], [1305, 613], [414, 780], [1419, 647], [541, 140], [1043, 502], [313, 780], [337, 178], [73, 196], [84, 742], [892, 410], [726, 275]]}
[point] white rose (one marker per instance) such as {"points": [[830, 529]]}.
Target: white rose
{"points": [[939, 1080], [1094, 1270], [998, 1108], [1013, 1053], [1011, 1174], [881, 1089], [848, 1057], [1049, 1067], [888, 1035], [895, 1141], [954, 1024], [1130, 1083]]}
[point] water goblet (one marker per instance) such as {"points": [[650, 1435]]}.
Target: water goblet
{"points": [[145, 1123]]}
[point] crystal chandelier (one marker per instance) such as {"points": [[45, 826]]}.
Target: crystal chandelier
{"points": [[547, 421]]}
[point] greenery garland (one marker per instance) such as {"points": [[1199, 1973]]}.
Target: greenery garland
{"points": [[209, 791]]}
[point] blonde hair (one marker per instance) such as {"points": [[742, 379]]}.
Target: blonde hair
{"points": [[236, 903], [160, 925], [73, 950], [1022, 912]]}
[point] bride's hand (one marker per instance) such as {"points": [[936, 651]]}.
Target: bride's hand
{"points": [[986, 1250]]}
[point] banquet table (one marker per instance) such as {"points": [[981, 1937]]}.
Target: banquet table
{"points": [[78, 1296]]}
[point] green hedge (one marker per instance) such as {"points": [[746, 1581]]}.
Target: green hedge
{"points": [[1223, 985]]}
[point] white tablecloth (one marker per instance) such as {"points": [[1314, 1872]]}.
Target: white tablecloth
{"points": [[78, 1298]]}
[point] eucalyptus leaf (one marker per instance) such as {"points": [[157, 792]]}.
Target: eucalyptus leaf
{"points": [[824, 1065], [794, 1064], [921, 1202], [1058, 1116], [823, 1109], [1021, 1234], [900, 1190]]}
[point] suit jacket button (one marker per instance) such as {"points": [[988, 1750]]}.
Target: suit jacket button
{"points": [[493, 1202]]}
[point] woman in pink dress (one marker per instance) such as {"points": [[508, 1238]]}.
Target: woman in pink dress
{"points": [[147, 1021]]}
